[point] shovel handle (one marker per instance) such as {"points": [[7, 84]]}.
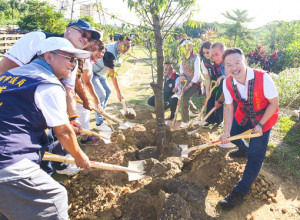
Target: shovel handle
{"points": [[204, 119], [103, 114], [206, 100], [217, 142], [85, 131], [124, 105], [105, 166], [178, 105]]}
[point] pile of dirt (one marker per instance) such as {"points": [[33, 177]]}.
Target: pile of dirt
{"points": [[139, 136], [212, 168], [173, 189]]}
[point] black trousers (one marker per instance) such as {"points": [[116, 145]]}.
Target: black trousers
{"points": [[53, 147], [217, 116], [170, 102]]}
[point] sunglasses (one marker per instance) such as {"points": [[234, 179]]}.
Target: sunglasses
{"points": [[83, 34], [71, 59]]}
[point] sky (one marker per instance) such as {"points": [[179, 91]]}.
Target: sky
{"points": [[263, 11]]}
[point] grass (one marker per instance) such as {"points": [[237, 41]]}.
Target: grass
{"points": [[286, 154]]}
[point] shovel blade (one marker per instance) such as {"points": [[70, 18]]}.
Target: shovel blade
{"points": [[183, 148], [139, 167], [122, 112], [127, 124], [107, 136]]}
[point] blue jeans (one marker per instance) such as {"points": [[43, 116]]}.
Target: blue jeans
{"points": [[256, 154], [103, 92]]}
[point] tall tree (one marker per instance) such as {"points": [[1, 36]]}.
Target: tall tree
{"points": [[160, 16], [237, 28]]}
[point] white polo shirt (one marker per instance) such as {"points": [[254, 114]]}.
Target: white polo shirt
{"points": [[270, 90]]}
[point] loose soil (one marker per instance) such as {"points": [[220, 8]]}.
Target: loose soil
{"points": [[175, 188]]}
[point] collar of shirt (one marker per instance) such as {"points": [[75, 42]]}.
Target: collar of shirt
{"points": [[44, 64], [250, 75]]}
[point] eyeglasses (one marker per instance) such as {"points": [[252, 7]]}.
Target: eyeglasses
{"points": [[71, 59], [83, 34]]}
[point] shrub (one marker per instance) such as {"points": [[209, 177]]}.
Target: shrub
{"points": [[260, 57], [288, 86]]}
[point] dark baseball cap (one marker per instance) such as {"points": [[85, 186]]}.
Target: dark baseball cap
{"points": [[82, 24]]}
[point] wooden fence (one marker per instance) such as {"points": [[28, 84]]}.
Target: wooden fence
{"points": [[7, 40]]}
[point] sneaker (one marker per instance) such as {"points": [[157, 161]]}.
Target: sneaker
{"points": [[231, 200], [103, 127], [237, 154], [193, 114], [91, 140], [71, 170]]}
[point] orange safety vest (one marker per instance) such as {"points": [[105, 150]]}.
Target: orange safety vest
{"points": [[255, 106]]}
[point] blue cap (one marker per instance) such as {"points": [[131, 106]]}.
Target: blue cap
{"points": [[85, 26]]}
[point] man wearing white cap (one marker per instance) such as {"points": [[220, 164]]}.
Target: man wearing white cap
{"points": [[32, 98]]}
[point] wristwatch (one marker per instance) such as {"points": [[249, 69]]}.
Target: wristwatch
{"points": [[260, 124]]}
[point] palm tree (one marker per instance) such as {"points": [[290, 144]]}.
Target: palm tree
{"points": [[237, 28]]}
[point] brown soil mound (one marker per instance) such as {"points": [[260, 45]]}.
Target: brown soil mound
{"points": [[174, 189]]}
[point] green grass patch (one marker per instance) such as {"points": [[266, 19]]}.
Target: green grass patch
{"points": [[286, 154]]}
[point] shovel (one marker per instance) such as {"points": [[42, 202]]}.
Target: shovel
{"points": [[135, 169], [178, 105], [105, 139], [246, 134], [201, 123], [204, 105], [122, 125], [127, 112]]}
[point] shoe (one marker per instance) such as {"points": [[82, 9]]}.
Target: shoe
{"points": [[103, 127], [183, 124], [91, 140], [237, 154], [71, 170], [231, 200], [193, 114], [193, 108]]}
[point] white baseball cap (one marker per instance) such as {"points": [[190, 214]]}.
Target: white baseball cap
{"points": [[60, 43]]}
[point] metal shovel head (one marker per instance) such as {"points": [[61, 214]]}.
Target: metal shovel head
{"points": [[127, 124], [130, 114], [107, 136], [183, 148], [229, 145], [138, 166], [170, 124]]}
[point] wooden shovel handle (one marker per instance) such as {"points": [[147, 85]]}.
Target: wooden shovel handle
{"points": [[85, 131], [178, 105], [124, 105], [206, 100], [204, 119], [103, 113], [105, 166], [246, 134]]}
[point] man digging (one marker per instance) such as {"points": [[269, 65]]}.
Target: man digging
{"points": [[32, 99], [257, 99]]}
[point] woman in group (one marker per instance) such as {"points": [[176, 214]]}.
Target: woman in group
{"points": [[190, 69]]}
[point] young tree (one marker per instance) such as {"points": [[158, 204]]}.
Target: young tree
{"points": [[160, 16], [237, 28]]}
